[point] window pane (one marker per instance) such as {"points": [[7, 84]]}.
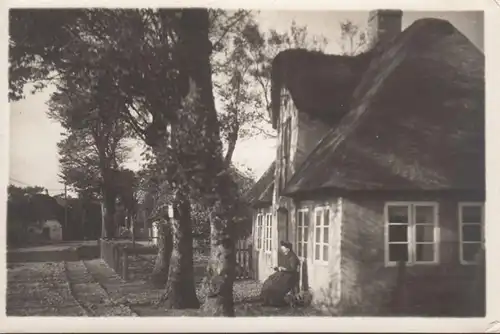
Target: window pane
{"points": [[471, 232], [306, 219], [318, 234], [299, 234], [398, 214], [299, 249], [424, 214], [305, 250], [318, 218], [398, 252], [425, 252], [316, 252], [325, 253], [306, 234], [425, 233], [326, 220], [471, 214], [470, 251], [300, 219], [398, 233], [325, 235]]}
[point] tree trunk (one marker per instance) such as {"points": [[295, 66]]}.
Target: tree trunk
{"points": [[219, 190], [109, 216], [180, 290], [160, 272], [222, 266]]}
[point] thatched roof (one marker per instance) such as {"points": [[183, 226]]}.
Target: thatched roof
{"points": [[416, 121], [319, 84], [262, 192]]}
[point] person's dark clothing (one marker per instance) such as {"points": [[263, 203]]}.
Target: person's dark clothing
{"points": [[277, 285]]}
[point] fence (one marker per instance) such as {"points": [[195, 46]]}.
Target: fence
{"points": [[244, 260], [116, 254]]}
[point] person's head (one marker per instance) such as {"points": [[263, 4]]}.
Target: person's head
{"points": [[285, 247]]}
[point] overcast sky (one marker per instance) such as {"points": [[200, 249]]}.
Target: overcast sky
{"points": [[33, 137]]}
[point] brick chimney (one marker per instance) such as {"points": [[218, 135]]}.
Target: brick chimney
{"points": [[384, 24]]}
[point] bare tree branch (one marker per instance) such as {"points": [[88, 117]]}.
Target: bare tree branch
{"points": [[244, 14]]}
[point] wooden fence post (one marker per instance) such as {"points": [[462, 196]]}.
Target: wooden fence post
{"points": [[250, 262], [125, 264]]}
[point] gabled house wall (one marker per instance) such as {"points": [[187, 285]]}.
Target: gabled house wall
{"points": [[305, 134], [370, 283], [262, 259], [320, 277]]}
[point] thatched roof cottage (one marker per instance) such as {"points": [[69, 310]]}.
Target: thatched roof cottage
{"points": [[380, 162]]}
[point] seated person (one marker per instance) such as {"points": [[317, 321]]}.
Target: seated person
{"points": [[283, 280]]}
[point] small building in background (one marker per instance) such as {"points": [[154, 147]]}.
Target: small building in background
{"points": [[154, 232], [52, 230]]}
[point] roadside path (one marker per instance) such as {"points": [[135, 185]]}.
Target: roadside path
{"points": [[40, 289], [89, 291]]}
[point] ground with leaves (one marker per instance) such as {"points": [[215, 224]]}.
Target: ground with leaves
{"points": [[91, 288]]}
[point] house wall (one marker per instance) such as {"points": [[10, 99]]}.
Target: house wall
{"points": [[322, 278], [368, 285], [304, 137], [262, 261], [55, 229], [309, 132], [306, 132]]}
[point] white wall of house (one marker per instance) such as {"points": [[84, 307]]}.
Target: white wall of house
{"points": [[55, 229], [304, 136], [265, 256], [323, 273], [323, 270]]}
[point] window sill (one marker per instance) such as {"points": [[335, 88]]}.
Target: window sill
{"points": [[414, 264], [320, 263]]}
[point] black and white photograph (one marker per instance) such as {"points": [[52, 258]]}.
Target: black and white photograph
{"points": [[211, 162]]}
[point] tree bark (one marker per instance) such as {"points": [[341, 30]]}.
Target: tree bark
{"points": [[180, 292], [220, 192], [176, 273], [109, 216], [222, 266], [162, 264]]}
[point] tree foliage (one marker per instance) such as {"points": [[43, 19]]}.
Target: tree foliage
{"points": [[28, 206], [152, 69], [242, 72], [353, 38]]}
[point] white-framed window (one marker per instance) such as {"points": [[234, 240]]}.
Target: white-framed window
{"points": [[471, 230], [259, 231], [321, 234], [302, 232], [268, 233], [411, 233]]}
